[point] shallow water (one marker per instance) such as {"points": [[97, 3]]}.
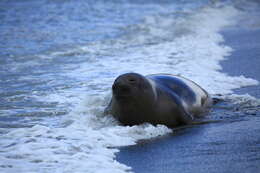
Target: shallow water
{"points": [[59, 59]]}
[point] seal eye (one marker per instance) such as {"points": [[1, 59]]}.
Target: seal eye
{"points": [[132, 80]]}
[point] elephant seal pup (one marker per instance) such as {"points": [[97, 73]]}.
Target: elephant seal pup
{"points": [[157, 99]]}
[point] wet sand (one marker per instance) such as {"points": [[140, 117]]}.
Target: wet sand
{"points": [[245, 60], [232, 145]]}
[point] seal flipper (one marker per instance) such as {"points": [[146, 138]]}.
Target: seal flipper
{"points": [[184, 117]]}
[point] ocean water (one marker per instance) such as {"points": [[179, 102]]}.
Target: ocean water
{"points": [[59, 59]]}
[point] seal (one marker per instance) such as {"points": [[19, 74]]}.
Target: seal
{"points": [[157, 99]]}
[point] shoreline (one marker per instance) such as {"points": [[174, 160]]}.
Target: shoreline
{"points": [[245, 58], [230, 146]]}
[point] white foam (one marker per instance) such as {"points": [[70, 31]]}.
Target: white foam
{"points": [[244, 101], [195, 55], [88, 140]]}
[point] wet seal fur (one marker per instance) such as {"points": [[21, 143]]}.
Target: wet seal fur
{"points": [[157, 99]]}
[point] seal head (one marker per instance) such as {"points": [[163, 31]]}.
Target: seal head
{"points": [[132, 97], [131, 86]]}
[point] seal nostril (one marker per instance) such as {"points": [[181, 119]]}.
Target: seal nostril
{"points": [[114, 87], [121, 89]]}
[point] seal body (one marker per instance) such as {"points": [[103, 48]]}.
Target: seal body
{"points": [[157, 99]]}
